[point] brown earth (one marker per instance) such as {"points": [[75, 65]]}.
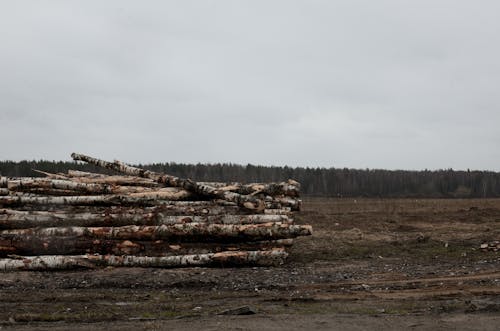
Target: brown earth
{"points": [[370, 264]]}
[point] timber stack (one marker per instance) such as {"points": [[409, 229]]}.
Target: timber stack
{"points": [[140, 218]]}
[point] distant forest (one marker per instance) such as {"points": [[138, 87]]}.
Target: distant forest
{"points": [[315, 181]]}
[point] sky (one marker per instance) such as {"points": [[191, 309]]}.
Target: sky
{"points": [[357, 83]]}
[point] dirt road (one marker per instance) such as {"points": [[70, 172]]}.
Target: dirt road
{"points": [[370, 264]]}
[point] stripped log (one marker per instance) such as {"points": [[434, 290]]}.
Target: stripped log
{"points": [[246, 201], [4, 191], [60, 262], [14, 219], [188, 232], [79, 245]]}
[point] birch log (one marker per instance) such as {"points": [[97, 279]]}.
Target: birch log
{"points": [[188, 232], [14, 219], [246, 201], [289, 188], [60, 262], [78, 245], [51, 175], [45, 185], [85, 200], [118, 180]]}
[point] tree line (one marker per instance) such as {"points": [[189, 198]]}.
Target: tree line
{"points": [[315, 181]]}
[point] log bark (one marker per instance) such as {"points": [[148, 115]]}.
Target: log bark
{"points": [[78, 173], [40, 192], [79, 245], [283, 202], [245, 201], [289, 188], [14, 219], [188, 232], [85, 200], [60, 262], [67, 187], [51, 175], [118, 180]]}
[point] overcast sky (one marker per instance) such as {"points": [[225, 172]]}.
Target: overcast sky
{"points": [[360, 84]]}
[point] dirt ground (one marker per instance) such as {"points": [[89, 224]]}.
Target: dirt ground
{"points": [[370, 265]]}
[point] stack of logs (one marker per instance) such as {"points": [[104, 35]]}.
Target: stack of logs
{"points": [[142, 218]]}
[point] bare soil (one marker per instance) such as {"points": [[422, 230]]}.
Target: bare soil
{"points": [[371, 264]]}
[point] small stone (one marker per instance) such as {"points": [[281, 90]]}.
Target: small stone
{"points": [[244, 310]]}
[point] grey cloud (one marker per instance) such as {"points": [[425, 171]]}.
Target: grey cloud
{"points": [[379, 84]]}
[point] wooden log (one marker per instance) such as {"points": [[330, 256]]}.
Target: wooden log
{"points": [[4, 191], [79, 245], [51, 175], [166, 193], [118, 180], [280, 211], [47, 183], [246, 201], [283, 202], [40, 192], [78, 173], [14, 219], [85, 200], [61, 262], [171, 208], [289, 188], [67, 187], [3, 182], [188, 232]]}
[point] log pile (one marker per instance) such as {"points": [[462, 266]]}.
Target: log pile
{"points": [[144, 219]]}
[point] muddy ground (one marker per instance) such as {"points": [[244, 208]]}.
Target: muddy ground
{"points": [[370, 264]]}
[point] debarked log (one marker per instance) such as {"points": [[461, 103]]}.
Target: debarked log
{"points": [[61, 262], [71, 245], [16, 219], [188, 232], [4, 191], [245, 201]]}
